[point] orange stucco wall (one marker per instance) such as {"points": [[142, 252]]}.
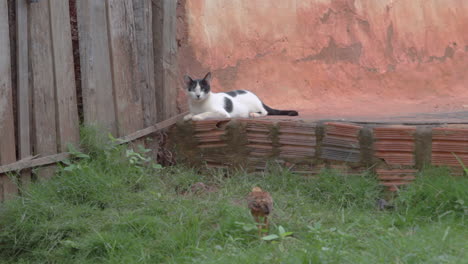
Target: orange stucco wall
{"points": [[332, 56]]}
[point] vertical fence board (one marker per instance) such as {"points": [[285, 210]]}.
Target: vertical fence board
{"points": [[42, 69], [165, 51], [7, 127], [157, 8], [144, 37], [96, 76], [124, 66], [23, 95], [169, 57], [66, 104]]}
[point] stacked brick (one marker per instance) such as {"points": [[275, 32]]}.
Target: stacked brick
{"points": [[396, 152]]}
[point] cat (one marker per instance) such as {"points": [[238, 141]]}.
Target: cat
{"points": [[205, 104]]}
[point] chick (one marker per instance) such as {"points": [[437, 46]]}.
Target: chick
{"points": [[260, 204]]}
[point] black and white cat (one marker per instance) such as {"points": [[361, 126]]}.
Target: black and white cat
{"points": [[234, 104]]}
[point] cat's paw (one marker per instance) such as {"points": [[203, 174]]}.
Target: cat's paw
{"points": [[197, 118], [252, 115], [188, 117]]}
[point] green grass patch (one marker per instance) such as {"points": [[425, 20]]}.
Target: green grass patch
{"points": [[435, 195], [114, 206]]}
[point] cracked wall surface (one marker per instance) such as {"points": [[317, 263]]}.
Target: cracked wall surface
{"points": [[331, 57]]}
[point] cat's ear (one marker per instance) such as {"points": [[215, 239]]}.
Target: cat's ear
{"points": [[187, 79], [207, 77]]}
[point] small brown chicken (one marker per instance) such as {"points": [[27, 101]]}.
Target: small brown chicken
{"points": [[260, 204]]}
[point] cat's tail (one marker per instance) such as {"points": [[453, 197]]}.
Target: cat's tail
{"points": [[272, 111]]}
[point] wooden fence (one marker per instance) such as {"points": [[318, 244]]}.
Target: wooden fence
{"points": [[125, 74]]}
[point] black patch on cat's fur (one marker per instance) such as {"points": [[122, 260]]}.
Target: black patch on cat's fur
{"points": [[236, 92], [232, 93], [205, 86], [228, 105], [191, 86]]}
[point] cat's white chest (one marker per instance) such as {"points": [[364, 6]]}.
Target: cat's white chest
{"points": [[207, 105]]}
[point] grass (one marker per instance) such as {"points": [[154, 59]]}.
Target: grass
{"points": [[113, 206]]}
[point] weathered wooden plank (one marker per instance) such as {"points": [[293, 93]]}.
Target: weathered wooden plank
{"points": [[42, 70], [165, 51], [151, 129], [31, 162], [96, 74], [144, 37], [7, 128], [169, 57], [23, 95], [144, 32], [157, 10], [67, 108], [125, 72]]}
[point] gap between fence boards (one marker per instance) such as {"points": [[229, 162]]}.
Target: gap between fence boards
{"points": [[32, 161]]}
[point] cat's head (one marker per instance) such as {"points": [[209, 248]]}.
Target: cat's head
{"points": [[198, 89]]}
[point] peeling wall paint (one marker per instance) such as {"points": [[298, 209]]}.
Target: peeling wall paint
{"points": [[340, 57]]}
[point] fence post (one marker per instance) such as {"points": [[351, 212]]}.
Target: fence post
{"points": [[165, 57], [66, 104], [96, 75], [144, 31], [7, 129], [124, 65], [43, 84], [23, 95]]}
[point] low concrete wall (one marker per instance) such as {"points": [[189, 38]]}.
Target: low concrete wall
{"points": [[394, 152]]}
